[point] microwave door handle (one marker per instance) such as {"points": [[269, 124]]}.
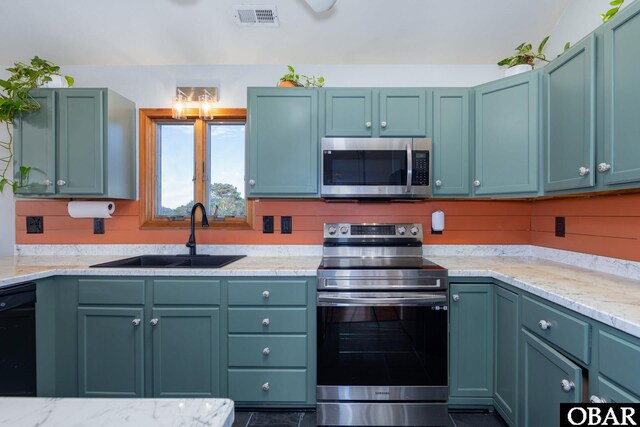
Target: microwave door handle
{"points": [[409, 167]]}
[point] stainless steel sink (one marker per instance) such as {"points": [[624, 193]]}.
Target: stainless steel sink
{"points": [[172, 261]]}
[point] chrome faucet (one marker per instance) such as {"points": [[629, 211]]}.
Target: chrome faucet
{"points": [[191, 244]]}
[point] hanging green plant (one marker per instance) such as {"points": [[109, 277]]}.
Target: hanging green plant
{"points": [[15, 100], [291, 79], [526, 55], [617, 4]]}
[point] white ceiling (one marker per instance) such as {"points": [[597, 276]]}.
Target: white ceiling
{"points": [[163, 32]]}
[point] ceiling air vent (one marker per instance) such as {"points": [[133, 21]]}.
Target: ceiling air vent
{"points": [[261, 15]]}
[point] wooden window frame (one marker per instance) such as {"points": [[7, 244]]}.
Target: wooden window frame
{"points": [[149, 119]]}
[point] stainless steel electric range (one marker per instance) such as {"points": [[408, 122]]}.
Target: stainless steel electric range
{"points": [[382, 328]]}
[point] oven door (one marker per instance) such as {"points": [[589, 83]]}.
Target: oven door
{"points": [[375, 167], [382, 346]]}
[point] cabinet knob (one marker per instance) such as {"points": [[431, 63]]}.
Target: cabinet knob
{"points": [[265, 322], [383, 124], [61, 182], [582, 171], [368, 125], [544, 325], [47, 182], [266, 351], [252, 182], [136, 322], [603, 167], [266, 294], [456, 297], [438, 183], [265, 386], [567, 385], [154, 322], [596, 399], [476, 183]]}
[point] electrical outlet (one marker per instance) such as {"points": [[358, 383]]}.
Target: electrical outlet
{"points": [[286, 225], [98, 225], [267, 224], [560, 226], [35, 225]]}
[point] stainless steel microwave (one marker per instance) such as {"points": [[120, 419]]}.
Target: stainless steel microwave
{"points": [[388, 168]]}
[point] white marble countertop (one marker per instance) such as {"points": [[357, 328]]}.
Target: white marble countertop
{"points": [[73, 412]]}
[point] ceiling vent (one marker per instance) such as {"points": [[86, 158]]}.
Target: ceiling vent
{"points": [[261, 15]]}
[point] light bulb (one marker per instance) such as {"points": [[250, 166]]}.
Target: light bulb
{"points": [[177, 109]]}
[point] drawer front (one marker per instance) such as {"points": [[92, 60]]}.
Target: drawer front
{"points": [[110, 291], [565, 331], [268, 351], [620, 361], [611, 393], [275, 385], [268, 320], [186, 292], [266, 293]]}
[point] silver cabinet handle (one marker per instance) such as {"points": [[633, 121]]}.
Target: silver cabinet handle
{"points": [[136, 322], [266, 351], [456, 297], [367, 125], [582, 171], [544, 325], [476, 183], [154, 322], [383, 124], [596, 399], [265, 322], [409, 167], [438, 183], [266, 294], [61, 182], [47, 182], [567, 385], [252, 182], [603, 167], [265, 386]]}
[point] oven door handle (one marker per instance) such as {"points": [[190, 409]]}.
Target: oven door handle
{"points": [[409, 168], [348, 300]]}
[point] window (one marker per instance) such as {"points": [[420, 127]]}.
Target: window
{"points": [[188, 161]]}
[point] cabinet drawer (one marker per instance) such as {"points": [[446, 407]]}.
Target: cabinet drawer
{"points": [[268, 351], [611, 393], [266, 293], [186, 292], [282, 385], [110, 291], [620, 361], [565, 331], [268, 320]]}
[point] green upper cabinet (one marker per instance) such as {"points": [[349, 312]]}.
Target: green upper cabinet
{"points": [[570, 118], [403, 112], [81, 142], [348, 112], [282, 143], [621, 162], [451, 142], [506, 136]]}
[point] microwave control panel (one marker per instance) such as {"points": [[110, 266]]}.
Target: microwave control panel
{"points": [[420, 168]]}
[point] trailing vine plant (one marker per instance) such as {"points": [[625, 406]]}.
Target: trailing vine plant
{"points": [[15, 100], [617, 4]]}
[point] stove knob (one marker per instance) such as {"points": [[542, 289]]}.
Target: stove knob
{"points": [[332, 230], [402, 230], [414, 230], [344, 229]]}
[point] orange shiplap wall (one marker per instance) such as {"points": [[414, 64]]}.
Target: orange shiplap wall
{"points": [[467, 222], [604, 225]]}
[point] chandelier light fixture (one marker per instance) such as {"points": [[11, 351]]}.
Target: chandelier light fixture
{"points": [[190, 98]]}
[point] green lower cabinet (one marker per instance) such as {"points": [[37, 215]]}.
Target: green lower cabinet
{"points": [[257, 386], [610, 392], [506, 354], [110, 352], [548, 379], [471, 344], [268, 351], [186, 346]]}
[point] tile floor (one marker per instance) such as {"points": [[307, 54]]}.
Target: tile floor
{"points": [[308, 419]]}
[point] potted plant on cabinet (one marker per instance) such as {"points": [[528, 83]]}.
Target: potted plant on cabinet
{"points": [[291, 79], [524, 59], [16, 100]]}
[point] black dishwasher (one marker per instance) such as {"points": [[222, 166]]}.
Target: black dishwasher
{"points": [[18, 340]]}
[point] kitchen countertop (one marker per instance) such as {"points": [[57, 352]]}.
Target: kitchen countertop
{"points": [[610, 299], [73, 412]]}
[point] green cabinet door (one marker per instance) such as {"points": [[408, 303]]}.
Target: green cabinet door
{"points": [[471, 341], [282, 142], [81, 142], [110, 352], [544, 374], [570, 115], [186, 352], [505, 362], [35, 146], [506, 136], [450, 142], [348, 112], [403, 112], [621, 95]]}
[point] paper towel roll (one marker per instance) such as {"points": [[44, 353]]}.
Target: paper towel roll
{"points": [[437, 221], [91, 209]]}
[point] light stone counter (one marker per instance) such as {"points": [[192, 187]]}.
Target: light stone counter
{"points": [[71, 412]]}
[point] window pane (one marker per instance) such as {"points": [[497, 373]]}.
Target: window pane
{"points": [[226, 176], [175, 163]]}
